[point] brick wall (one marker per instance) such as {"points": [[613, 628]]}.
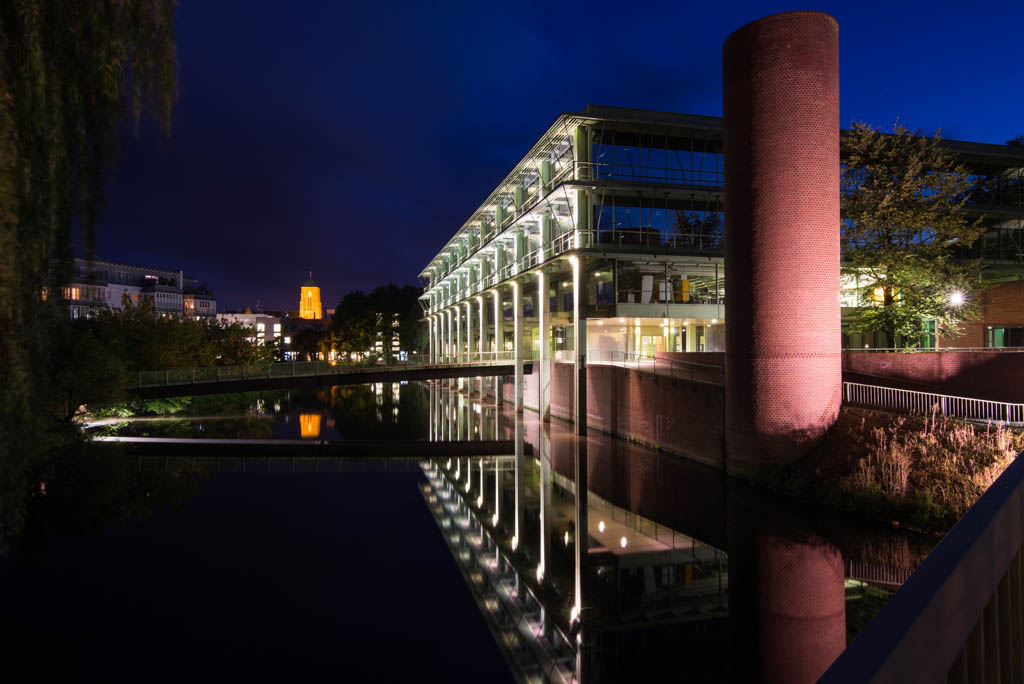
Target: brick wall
{"points": [[781, 118], [998, 376], [1003, 305]]}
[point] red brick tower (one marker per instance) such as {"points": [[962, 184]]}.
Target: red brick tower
{"points": [[783, 363]]}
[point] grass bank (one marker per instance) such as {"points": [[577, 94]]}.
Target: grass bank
{"points": [[922, 472]]}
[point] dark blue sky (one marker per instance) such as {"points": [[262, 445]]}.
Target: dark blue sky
{"points": [[354, 138]]}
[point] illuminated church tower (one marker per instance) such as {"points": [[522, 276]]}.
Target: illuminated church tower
{"points": [[309, 300]]}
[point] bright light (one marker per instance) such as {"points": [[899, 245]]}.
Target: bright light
{"points": [[714, 320], [956, 298], [575, 614], [600, 526], [494, 520], [480, 501], [566, 537], [622, 542], [515, 542], [540, 572]]}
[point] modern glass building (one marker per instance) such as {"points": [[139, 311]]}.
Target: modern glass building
{"points": [[633, 199]]}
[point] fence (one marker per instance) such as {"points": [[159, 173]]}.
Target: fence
{"points": [[893, 399], [671, 368], [295, 369]]}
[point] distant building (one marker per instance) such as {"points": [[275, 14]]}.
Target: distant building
{"points": [[309, 300], [198, 301], [99, 285], [264, 326]]}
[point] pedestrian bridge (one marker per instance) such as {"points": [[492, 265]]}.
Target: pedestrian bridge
{"points": [[179, 382]]}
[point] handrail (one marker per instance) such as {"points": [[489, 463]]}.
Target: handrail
{"points": [[891, 398], [672, 368], [931, 350], [958, 617], [292, 369]]}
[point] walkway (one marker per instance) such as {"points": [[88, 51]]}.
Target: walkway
{"points": [[179, 382]]}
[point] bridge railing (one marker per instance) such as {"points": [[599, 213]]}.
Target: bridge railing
{"points": [[293, 369], [890, 398], [672, 368], [960, 616]]}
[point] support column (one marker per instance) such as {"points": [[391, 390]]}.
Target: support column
{"points": [[781, 111], [481, 342], [544, 356], [579, 346], [499, 345], [448, 339], [458, 333], [517, 345], [469, 331]]}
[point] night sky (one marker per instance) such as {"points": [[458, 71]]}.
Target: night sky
{"points": [[352, 139]]}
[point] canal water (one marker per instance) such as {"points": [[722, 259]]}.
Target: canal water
{"points": [[456, 561]]}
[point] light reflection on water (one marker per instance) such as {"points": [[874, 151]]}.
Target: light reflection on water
{"points": [[687, 572]]}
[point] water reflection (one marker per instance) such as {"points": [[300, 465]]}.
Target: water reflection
{"points": [[664, 568], [683, 570]]}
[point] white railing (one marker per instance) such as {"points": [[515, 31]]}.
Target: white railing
{"points": [[672, 368], [931, 350], [894, 399]]}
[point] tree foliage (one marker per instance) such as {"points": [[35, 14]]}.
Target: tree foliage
{"points": [[71, 71], [361, 319], [97, 357], [904, 233]]}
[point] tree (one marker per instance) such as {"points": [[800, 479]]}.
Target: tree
{"points": [[306, 343], [904, 232], [353, 328], [70, 72], [1018, 141]]}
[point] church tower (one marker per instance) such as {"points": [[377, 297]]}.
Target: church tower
{"points": [[309, 300]]}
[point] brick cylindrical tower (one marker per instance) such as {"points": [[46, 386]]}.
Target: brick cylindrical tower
{"points": [[783, 364]]}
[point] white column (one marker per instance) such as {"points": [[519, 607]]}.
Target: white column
{"points": [[543, 358], [481, 341], [517, 345], [469, 331], [499, 346], [433, 340], [458, 333], [448, 338], [579, 338]]}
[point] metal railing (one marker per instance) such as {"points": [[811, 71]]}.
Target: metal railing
{"points": [[671, 368], [890, 398], [294, 369], [709, 178], [931, 350]]}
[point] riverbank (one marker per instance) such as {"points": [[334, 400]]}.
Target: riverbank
{"points": [[921, 472]]}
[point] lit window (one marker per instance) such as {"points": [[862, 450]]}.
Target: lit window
{"points": [[261, 327], [277, 327], [287, 340]]}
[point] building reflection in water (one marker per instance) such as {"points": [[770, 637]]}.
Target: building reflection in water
{"points": [[688, 574], [309, 425]]}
